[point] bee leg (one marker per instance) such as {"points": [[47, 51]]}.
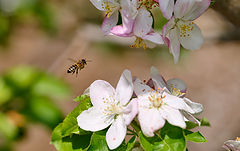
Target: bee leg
{"points": [[76, 72]]}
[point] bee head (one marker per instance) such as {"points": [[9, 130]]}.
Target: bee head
{"points": [[84, 61]]}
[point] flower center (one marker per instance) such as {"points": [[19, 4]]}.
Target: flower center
{"points": [[177, 92], [149, 4], [238, 139], [156, 99], [109, 8], [111, 107], [139, 42], [185, 29]]}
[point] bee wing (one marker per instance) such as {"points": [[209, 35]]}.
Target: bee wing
{"points": [[72, 60]]}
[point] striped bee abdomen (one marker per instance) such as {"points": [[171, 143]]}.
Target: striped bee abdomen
{"points": [[72, 69]]}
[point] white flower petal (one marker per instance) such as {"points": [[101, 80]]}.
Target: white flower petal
{"points": [[174, 46], [141, 88], [93, 120], [116, 133], [190, 35], [100, 91], [153, 37], [190, 117], [166, 7], [98, 4], [197, 9], [182, 7], [232, 145], [176, 102], [150, 120], [158, 80], [124, 88], [109, 23], [143, 22], [173, 116], [129, 8], [130, 111], [196, 107], [177, 83]]}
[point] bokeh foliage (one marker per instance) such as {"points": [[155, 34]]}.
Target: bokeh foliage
{"points": [[14, 12], [28, 95]]}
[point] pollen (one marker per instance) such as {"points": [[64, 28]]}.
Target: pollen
{"points": [[149, 4], [139, 42], [108, 8], [186, 29], [156, 99], [238, 139], [177, 92]]}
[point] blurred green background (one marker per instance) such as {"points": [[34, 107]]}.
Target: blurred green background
{"points": [[38, 36]]}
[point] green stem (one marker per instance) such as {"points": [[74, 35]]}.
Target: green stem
{"points": [[135, 126]]}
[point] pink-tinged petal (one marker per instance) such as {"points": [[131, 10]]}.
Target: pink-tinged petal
{"points": [[168, 26], [176, 102], [177, 83], [140, 88], [116, 133], [154, 37], [196, 107], [94, 120], [166, 7], [150, 121], [99, 91], [232, 145], [130, 111], [124, 30], [190, 117], [173, 116], [174, 46], [182, 7], [197, 9], [158, 81], [124, 88], [143, 23], [192, 39], [129, 13], [109, 23]]}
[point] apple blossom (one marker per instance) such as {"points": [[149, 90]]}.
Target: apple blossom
{"points": [[156, 106], [140, 27], [180, 30], [176, 87], [110, 107], [111, 9], [232, 145]]}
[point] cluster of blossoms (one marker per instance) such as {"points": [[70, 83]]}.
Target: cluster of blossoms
{"points": [[232, 145], [137, 21], [152, 102]]}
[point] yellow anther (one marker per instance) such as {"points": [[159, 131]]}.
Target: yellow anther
{"points": [[108, 8], [139, 42], [238, 139]]}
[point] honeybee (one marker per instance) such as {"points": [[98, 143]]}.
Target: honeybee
{"points": [[78, 65]]}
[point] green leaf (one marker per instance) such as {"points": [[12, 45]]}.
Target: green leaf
{"points": [[69, 125], [205, 122], [131, 143], [6, 92], [196, 137], [51, 86], [171, 138], [191, 125], [22, 76], [98, 142], [45, 111], [69, 143], [7, 128], [81, 98]]}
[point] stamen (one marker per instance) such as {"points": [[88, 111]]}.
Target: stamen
{"points": [[185, 30], [139, 42], [149, 4], [156, 99], [108, 8], [238, 139]]}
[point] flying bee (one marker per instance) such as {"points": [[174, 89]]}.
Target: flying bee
{"points": [[78, 65]]}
